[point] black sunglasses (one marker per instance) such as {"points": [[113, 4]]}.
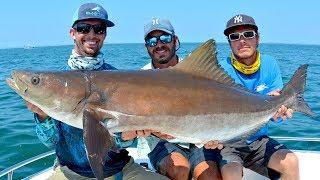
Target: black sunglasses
{"points": [[152, 41], [86, 28]]}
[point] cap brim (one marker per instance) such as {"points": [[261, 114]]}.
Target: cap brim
{"points": [[157, 29], [227, 30], [108, 22]]}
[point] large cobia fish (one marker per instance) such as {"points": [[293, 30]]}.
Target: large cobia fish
{"points": [[195, 101]]}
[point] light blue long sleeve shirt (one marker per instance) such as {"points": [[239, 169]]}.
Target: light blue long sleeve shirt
{"points": [[69, 145]]}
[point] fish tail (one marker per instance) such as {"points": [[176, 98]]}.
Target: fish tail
{"points": [[295, 89]]}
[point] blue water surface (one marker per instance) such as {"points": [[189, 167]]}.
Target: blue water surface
{"points": [[18, 140]]}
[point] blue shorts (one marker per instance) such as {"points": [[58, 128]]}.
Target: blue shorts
{"points": [[254, 156], [194, 154]]}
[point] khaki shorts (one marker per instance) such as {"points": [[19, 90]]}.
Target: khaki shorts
{"points": [[130, 171]]}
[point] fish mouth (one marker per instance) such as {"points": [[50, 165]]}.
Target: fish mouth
{"points": [[17, 84], [12, 83]]}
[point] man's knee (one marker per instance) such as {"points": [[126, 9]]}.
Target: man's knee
{"points": [[232, 171], [207, 170], [291, 160], [175, 166], [284, 160]]}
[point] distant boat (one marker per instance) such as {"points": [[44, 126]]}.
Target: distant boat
{"points": [[29, 46]]}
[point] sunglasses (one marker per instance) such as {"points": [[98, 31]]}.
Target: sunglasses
{"points": [[246, 34], [86, 28], [153, 40]]}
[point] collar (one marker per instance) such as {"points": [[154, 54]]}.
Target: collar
{"points": [[246, 69], [77, 61]]}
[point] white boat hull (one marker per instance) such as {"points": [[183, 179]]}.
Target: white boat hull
{"points": [[308, 164]]}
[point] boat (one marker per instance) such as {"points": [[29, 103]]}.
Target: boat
{"points": [[28, 46], [308, 163]]}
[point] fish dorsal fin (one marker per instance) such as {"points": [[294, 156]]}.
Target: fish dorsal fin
{"points": [[203, 62]]}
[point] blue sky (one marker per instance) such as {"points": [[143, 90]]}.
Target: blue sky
{"points": [[44, 22]]}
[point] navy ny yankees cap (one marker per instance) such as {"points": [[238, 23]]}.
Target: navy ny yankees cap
{"points": [[240, 20]]}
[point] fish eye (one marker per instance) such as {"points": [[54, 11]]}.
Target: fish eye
{"points": [[35, 80]]}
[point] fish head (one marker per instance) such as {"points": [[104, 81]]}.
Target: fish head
{"points": [[52, 92]]}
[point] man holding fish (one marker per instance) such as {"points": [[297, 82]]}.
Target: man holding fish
{"points": [[89, 30], [175, 160], [259, 73]]}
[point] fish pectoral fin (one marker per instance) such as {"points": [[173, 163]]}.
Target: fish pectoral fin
{"points": [[97, 141]]}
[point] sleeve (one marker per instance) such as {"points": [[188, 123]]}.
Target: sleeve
{"points": [[47, 131], [276, 79], [122, 143]]}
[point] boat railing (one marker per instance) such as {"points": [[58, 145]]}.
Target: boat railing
{"points": [[9, 171], [302, 139]]}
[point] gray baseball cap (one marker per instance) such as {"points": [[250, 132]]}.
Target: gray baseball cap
{"points": [[240, 20], [91, 11], [158, 24]]}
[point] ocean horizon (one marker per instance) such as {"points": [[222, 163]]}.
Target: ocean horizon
{"points": [[26, 46]]}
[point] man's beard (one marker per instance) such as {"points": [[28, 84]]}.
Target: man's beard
{"points": [[164, 60], [83, 52]]}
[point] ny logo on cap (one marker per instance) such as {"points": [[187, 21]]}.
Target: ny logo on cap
{"points": [[237, 19], [155, 21]]}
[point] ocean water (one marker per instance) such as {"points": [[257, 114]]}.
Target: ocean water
{"points": [[18, 140]]}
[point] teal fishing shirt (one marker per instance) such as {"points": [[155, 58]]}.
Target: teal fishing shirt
{"points": [[268, 78], [70, 148]]}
